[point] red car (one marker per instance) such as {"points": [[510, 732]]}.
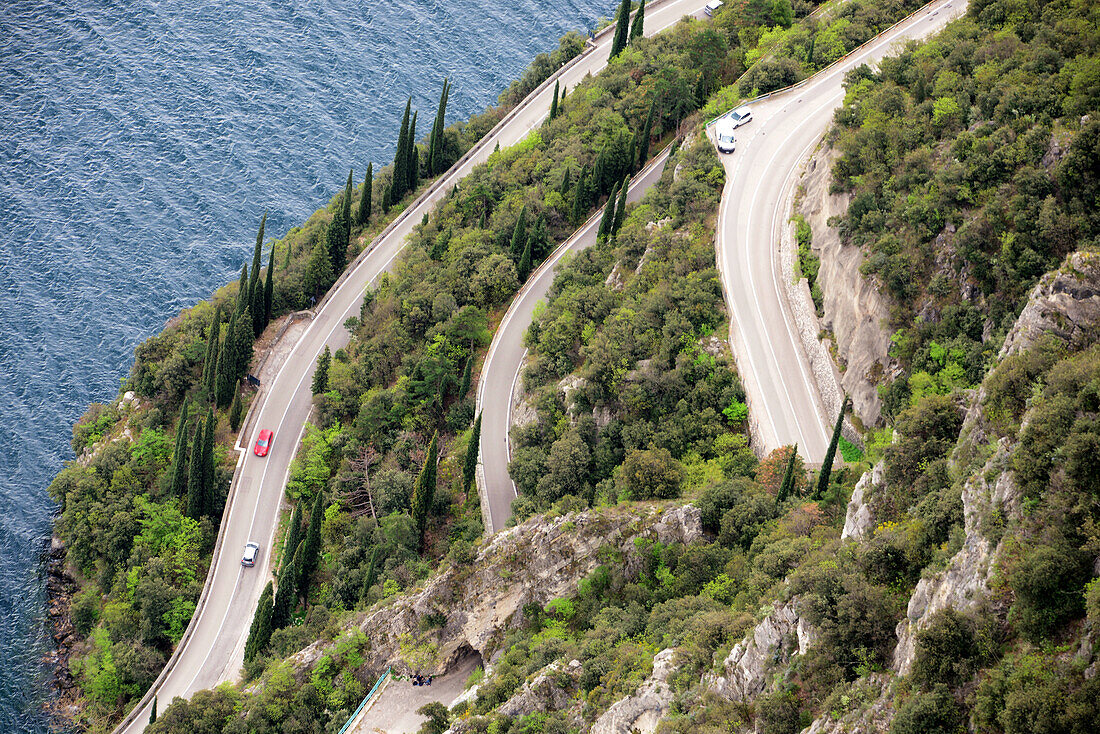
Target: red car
{"points": [[263, 443]]}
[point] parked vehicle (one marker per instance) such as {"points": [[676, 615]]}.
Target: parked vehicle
{"points": [[712, 7], [723, 133], [251, 552], [263, 443], [740, 117]]}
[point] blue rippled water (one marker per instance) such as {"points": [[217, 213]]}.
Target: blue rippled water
{"points": [[139, 143]]}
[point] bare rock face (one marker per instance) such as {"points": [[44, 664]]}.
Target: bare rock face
{"points": [[770, 646], [858, 521], [1065, 302], [855, 311], [965, 581], [645, 709], [470, 608]]}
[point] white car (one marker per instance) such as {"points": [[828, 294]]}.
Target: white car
{"points": [[723, 133], [740, 117], [251, 551]]}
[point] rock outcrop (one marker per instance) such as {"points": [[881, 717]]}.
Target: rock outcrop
{"points": [[770, 646], [1065, 303], [855, 311], [872, 718], [644, 710], [858, 520], [551, 689], [470, 608]]}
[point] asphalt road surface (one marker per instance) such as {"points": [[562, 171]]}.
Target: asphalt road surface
{"points": [[784, 401], [212, 650]]}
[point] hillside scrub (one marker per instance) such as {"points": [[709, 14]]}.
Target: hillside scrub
{"points": [[971, 161]]}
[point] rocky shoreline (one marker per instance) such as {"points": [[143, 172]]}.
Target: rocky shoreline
{"points": [[60, 587]]}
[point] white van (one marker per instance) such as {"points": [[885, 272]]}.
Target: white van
{"points": [[712, 7], [723, 134]]}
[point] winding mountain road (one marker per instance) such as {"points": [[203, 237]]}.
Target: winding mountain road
{"points": [[212, 649], [785, 403], [500, 373]]}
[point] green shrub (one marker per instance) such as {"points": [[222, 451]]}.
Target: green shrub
{"points": [[1048, 581], [946, 651], [929, 713]]}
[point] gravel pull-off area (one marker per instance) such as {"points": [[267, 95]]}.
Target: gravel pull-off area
{"points": [[395, 710]]}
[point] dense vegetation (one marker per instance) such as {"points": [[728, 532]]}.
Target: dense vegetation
{"points": [[636, 400], [971, 160]]}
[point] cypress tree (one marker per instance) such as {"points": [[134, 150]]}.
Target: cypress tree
{"points": [[236, 411], [647, 133], [519, 234], [467, 377], [363, 217], [469, 466], [256, 307], [599, 173], [566, 179], [242, 347], [524, 268], [413, 168], [194, 474], [293, 536], [320, 375], [210, 360], [227, 366], [830, 453], [209, 477], [318, 275], [435, 145], [269, 287], [259, 634], [787, 485], [346, 213], [539, 240], [401, 157], [580, 198], [311, 546], [336, 242], [153, 712], [622, 22], [620, 209], [243, 296], [636, 28], [554, 102], [256, 259], [286, 595], [608, 215], [368, 578], [179, 456], [424, 491]]}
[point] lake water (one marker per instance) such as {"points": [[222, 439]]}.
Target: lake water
{"points": [[140, 141]]}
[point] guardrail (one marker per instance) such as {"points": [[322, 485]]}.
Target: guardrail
{"points": [[365, 701]]}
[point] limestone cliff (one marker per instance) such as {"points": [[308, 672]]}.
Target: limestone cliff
{"points": [[469, 608], [855, 312]]}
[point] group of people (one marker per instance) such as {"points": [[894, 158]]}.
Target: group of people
{"points": [[421, 680]]}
